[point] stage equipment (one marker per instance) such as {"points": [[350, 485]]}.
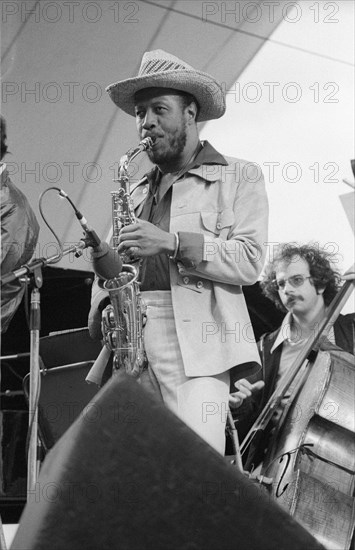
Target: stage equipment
{"points": [[67, 358], [129, 474]]}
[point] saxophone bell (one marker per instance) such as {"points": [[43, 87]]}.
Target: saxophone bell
{"points": [[122, 322]]}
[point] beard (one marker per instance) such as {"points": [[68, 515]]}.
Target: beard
{"points": [[171, 146]]}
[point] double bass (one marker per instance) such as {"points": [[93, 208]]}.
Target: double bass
{"points": [[310, 460]]}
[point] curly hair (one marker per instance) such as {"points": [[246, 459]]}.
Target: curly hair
{"points": [[323, 275]]}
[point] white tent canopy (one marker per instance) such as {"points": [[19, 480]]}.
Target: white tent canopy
{"points": [[63, 129]]}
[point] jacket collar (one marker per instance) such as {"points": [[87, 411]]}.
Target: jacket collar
{"points": [[208, 156]]}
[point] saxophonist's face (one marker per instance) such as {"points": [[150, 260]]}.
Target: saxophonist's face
{"points": [[161, 115]]}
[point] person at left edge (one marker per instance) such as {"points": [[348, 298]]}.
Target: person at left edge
{"points": [[19, 234]]}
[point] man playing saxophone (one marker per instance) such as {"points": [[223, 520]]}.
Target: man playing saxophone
{"points": [[200, 233]]}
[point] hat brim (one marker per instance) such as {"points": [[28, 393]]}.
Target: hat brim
{"points": [[207, 91]]}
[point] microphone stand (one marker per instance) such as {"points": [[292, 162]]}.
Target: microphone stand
{"points": [[34, 268], [35, 326]]}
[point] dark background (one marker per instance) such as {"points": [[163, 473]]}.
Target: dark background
{"points": [[65, 302]]}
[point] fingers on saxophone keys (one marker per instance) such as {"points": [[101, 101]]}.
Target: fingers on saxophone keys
{"points": [[124, 246], [133, 251]]}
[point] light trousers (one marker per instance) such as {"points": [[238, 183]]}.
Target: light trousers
{"points": [[201, 402]]}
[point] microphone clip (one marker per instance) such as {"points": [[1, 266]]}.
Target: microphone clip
{"points": [[91, 238]]}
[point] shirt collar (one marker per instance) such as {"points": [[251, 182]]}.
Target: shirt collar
{"points": [[3, 173], [284, 332], [207, 155]]}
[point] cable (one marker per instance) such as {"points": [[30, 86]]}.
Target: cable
{"points": [[47, 223]]}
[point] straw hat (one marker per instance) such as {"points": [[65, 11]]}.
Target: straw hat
{"points": [[160, 69]]}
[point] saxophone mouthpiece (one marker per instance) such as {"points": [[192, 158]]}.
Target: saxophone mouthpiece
{"points": [[146, 143]]}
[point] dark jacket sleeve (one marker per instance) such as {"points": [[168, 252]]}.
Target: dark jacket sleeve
{"points": [[344, 332]]}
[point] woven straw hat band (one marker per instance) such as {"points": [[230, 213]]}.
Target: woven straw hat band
{"points": [[160, 65]]}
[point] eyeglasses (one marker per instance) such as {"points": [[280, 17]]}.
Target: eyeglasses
{"points": [[295, 281]]}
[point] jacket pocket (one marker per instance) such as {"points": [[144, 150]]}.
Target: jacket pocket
{"points": [[215, 222]]}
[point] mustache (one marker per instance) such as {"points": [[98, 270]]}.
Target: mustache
{"points": [[291, 299]]}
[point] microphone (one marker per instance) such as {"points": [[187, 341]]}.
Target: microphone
{"points": [[106, 261]]}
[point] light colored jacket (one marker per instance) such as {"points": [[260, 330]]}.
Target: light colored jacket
{"points": [[228, 206]]}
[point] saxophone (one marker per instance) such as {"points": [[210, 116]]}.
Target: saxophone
{"points": [[122, 320]]}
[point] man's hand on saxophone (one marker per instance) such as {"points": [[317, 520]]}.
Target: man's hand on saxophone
{"points": [[142, 239]]}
